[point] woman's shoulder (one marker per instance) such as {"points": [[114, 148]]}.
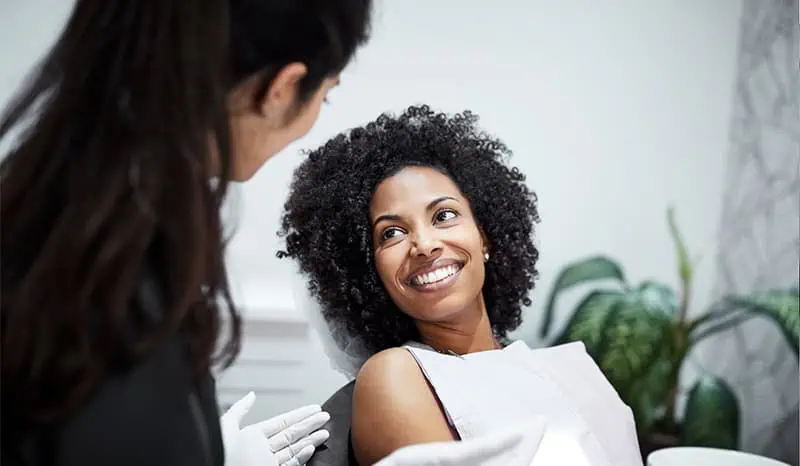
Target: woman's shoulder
{"points": [[393, 407], [390, 376], [386, 362]]}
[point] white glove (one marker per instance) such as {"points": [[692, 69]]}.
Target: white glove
{"points": [[285, 440], [559, 447], [515, 446]]}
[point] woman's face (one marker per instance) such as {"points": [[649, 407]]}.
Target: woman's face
{"points": [[258, 133], [429, 250]]}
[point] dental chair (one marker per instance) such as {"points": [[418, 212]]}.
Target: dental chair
{"points": [[337, 451]]}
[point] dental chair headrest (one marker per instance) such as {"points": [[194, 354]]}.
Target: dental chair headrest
{"points": [[337, 451]]}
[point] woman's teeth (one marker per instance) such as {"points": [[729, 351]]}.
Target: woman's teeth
{"points": [[435, 276]]}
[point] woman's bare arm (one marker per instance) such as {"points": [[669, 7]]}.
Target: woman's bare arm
{"points": [[393, 407]]}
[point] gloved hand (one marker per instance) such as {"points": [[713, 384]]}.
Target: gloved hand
{"points": [[285, 440], [515, 446], [559, 447]]}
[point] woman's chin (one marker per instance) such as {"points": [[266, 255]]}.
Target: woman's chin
{"points": [[447, 309]]}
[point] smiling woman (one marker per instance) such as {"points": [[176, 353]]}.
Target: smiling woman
{"points": [[429, 250], [362, 202], [416, 237]]}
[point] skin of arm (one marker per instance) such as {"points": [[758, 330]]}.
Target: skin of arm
{"points": [[393, 407]]}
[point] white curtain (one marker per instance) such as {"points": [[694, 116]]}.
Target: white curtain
{"points": [[759, 241]]}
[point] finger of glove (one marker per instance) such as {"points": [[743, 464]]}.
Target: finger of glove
{"points": [[315, 439], [236, 412], [297, 431], [294, 450], [278, 423], [302, 457]]}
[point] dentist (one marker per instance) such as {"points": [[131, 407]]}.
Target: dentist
{"points": [[123, 143]]}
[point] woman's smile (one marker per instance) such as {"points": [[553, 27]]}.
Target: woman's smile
{"points": [[438, 276]]}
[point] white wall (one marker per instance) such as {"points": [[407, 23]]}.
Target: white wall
{"points": [[613, 112], [27, 29], [614, 109]]}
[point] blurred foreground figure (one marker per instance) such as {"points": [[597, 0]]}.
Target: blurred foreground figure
{"points": [[113, 275]]}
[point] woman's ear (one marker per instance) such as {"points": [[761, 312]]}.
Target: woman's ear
{"points": [[484, 245], [283, 94]]}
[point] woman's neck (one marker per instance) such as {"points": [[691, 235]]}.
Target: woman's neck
{"points": [[469, 332]]}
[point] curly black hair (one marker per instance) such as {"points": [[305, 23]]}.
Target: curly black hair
{"points": [[328, 232]]}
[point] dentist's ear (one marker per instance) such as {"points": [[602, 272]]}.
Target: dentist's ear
{"points": [[281, 96]]}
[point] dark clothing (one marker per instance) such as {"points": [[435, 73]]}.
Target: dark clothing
{"points": [[338, 449], [153, 415]]}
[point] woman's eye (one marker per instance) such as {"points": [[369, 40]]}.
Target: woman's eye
{"points": [[390, 233], [445, 215]]}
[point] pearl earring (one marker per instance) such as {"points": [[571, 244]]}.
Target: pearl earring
{"points": [[486, 256]]}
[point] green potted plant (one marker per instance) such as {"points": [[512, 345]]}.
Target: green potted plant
{"points": [[641, 335]]}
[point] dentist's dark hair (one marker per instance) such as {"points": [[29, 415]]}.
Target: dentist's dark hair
{"points": [[109, 170]]}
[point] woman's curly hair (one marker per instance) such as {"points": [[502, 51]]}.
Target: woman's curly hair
{"points": [[328, 232]]}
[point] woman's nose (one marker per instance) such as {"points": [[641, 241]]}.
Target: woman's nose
{"points": [[425, 246]]}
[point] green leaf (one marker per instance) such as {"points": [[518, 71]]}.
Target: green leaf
{"points": [[684, 263], [627, 335], [648, 393], [720, 310], [636, 335], [658, 296], [782, 306], [589, 319], [712, 415], [594, 268], [720, 324]]}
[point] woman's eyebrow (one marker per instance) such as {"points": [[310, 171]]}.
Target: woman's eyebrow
{"points": [[381, 218], [439, 200]]}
